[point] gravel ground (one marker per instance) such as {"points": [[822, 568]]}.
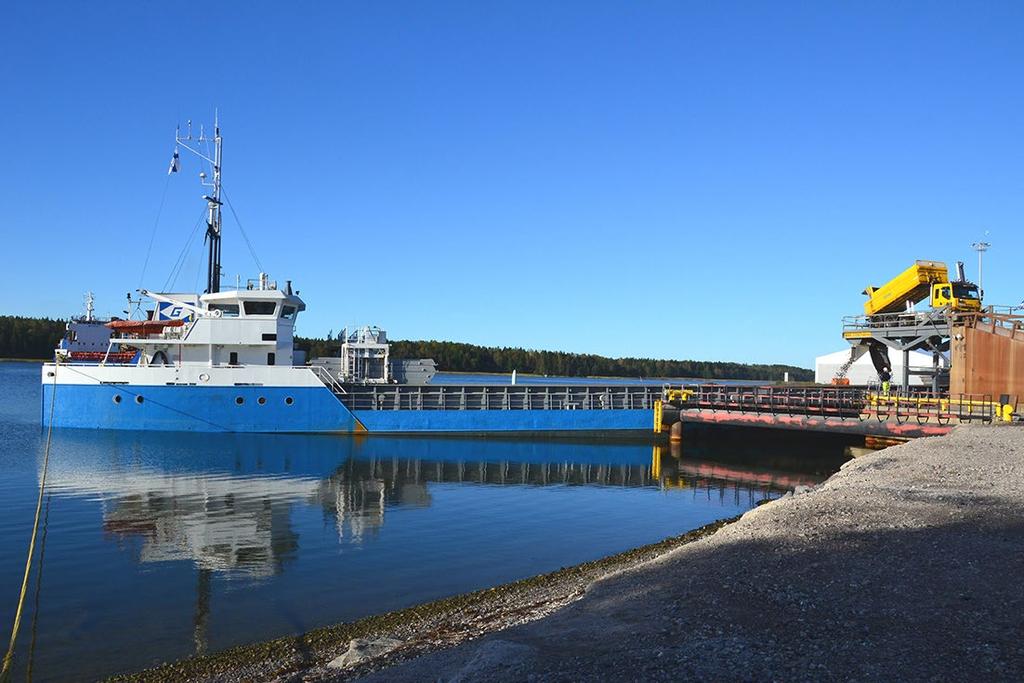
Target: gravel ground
{"points": [[907, 564]]}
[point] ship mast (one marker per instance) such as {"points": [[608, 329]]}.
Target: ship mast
{"points": [[90, 307], [213, 201]]}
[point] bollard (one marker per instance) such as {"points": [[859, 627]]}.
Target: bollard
{"points": [[676, 432]]}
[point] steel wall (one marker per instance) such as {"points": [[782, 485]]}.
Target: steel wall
{"points": [[987, 359]]}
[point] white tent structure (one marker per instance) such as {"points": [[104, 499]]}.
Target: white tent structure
{"points": [[863, 372]]}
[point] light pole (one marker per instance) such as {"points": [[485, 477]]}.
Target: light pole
{"points": [[980, 247]]}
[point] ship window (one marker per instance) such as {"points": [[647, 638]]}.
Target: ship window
{"points": [[269, 336], [259, 307], [288, 312], [289, 401], [117, 398], [228, 310], [262, 400], [233, 358], [139, 399], [239, 400], [271, 358]]}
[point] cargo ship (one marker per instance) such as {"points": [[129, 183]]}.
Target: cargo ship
{"points": [[224, 360]]}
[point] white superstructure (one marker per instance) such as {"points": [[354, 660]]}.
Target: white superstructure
{"points": [[245, 327]]}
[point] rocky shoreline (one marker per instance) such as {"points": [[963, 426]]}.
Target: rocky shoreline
{"points": [[349, 650]]}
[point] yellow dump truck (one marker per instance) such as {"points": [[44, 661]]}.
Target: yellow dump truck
{"points": [[922, 280]]}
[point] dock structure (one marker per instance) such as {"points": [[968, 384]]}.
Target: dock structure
{"points": [[977, 373], [842, 410]]}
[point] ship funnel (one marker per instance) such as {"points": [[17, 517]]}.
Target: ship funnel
{"points": [[960, 277]]}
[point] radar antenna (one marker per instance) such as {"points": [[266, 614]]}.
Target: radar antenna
{"points": [[213, 220]]}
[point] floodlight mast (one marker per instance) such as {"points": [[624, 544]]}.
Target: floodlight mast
{"points": [[213, 220], [981, 248]]}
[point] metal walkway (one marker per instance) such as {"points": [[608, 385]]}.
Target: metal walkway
{"points": [[831, 409]]}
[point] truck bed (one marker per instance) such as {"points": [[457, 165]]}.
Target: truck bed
{"points": [[913, 284]]}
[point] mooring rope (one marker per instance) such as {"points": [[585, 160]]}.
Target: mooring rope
{"points": [[39, 589], [5, 672]]}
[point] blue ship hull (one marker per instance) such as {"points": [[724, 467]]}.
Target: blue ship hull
{"points": [[267, 409], [496, 421], [197, 408]]}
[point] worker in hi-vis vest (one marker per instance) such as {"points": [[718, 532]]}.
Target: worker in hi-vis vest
{"points": [[885, 376]]}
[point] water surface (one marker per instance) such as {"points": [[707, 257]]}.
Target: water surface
{"points": [[157, 546]]}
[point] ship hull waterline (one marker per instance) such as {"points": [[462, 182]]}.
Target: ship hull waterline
{"points": [[268, 409]]}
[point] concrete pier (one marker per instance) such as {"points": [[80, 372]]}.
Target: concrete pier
{"points": [[904, 565]]}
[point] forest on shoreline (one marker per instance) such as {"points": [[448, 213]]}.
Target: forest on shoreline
{"points": [[459, 357], [35, 338]]}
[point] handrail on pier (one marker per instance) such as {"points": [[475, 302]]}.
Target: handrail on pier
{"points": [[843, 403]]}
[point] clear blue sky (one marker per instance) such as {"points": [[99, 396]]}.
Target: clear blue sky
{"points": [[667, 179]]}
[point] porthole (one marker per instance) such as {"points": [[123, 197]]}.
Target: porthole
{"points": [[261, 400], [239, 400], [288, 401], [138, 399], [117, 398], [50, 374]]}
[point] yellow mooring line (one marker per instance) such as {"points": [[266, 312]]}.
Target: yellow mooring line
{"points": [[5, 673]]}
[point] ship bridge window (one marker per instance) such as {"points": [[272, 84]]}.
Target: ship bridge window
{"points": [[259, 307], [227, 310], [288, 312]]}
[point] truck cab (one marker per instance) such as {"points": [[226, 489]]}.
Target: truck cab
{"points": [[958, 296]]}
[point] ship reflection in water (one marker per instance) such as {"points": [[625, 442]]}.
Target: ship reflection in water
{"points": [[239, 519], [235, 538]]}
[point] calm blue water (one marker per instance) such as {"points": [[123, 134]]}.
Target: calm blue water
{"points": [[158, 546]]}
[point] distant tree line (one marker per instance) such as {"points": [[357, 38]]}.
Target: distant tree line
{"points": [[457, 357], [22, 337], [29, 337]]}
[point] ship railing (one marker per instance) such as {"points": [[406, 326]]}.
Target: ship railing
{"points": [[325, 376], [509, 397]]}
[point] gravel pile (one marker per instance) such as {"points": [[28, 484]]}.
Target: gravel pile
{"points": [[907, 564]]}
